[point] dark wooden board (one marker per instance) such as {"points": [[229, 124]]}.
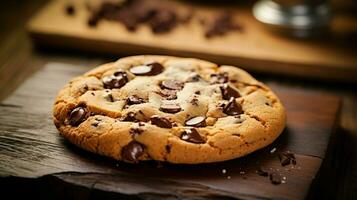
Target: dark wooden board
{"points": [[31, 151]]}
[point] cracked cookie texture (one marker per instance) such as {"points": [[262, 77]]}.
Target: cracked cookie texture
{"points": [[179, 110]]}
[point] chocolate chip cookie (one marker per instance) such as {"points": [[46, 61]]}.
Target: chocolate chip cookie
{"points": [[179, 110]]}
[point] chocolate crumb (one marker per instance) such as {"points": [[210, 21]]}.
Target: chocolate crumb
{"points": [[275, 178]]}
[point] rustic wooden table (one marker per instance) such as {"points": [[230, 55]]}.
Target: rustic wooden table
{"points": [[19, 59]]}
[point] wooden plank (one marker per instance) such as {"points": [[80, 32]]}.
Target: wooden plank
{"points": [[330, 57], [31, 148]]}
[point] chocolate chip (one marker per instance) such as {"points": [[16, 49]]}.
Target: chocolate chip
{"points": [[168, 94], [172, 84], [219, 78], [194, 77], [191, 135], [130, 117], [95, 124], [232, 108], [170, 108], [77, 116], [168, 148], [228, 92], [275, 178], [70, 10], [198, 121], [150, 69], [117, 80], [132, 151], [134, 100], [160, 121], [194, 101], [198, 92], [109, 97]]}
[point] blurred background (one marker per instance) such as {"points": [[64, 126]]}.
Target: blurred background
{"points": [[308, 45]]}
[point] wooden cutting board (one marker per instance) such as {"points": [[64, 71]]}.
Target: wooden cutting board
{"points": [[332, 57], [35, 160]]}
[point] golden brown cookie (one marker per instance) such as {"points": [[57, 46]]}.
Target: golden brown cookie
{"points": [[179, 110]]}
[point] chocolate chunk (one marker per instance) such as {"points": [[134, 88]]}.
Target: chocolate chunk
{"points": [[130, 117], [150, 69], [134, 100], [219, 78], [198, 121], [168, 94], [163, 21], [275, 178], [228, 92], [232, 108], [70, 10], [222, 24], [77, 116], [192, 135], [287, 158], [160, 121], [194, 101], [170, 108], [172, 84], [157, 68], [117, 80], [109, 97], [132, 151], [194, 77]]}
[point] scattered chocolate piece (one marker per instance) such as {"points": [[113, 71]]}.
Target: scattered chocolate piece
{"points": [[130, 117], [132, 151], [163, 20], [287, 158], [117, 80], [228, 92], [219, 78], [222, 24], [161, 121], [198, 121], [70, 10], [275, 178], [131, 100], [170, 108], [150, 69], [77, 116], [172, 84], [232, 108], [192, 135]]}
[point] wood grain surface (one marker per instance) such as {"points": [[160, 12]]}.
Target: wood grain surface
{"points": [[329, 57], [31, 148]]}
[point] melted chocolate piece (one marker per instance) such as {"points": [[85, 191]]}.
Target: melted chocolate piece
{"points": [[130, 117], [132, 151], [77, 116], [219, 78], [275, 178], [168, 94], [150, 69], [232, 108], [131, 100], [170, 108], [192, 135], [198, 121], [161, 121], [194, 78], [117, 80], [172, 84], [228, 92]]}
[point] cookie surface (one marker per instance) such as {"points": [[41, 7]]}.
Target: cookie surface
{"points": [[179, 110]]}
